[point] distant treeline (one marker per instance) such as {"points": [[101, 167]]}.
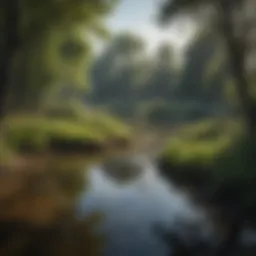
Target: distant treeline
{"points": [[153, 87]]}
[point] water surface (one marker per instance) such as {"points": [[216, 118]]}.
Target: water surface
{"points": [[131, 210]]}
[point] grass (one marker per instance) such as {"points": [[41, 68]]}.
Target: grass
{"points": [[191, 155], [199, 143], [36, 134]]}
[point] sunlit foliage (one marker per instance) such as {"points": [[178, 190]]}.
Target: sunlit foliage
{"points": [[54, 47]]}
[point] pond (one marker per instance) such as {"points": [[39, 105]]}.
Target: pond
{"points": [[131, 209]]}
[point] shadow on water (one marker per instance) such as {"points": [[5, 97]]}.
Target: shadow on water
{"points": [[37, 216]]}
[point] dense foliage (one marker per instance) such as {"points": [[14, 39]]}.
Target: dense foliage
{"points": [[47, 44]]}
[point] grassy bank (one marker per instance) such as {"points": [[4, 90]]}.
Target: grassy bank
{"points": [[217, 161], [40, 133], [191, 154], [82, 135], [49, 154]]}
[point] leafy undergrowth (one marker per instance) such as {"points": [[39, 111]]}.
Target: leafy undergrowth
{"points": [[218, 161], [189, 157], [40, 133]]}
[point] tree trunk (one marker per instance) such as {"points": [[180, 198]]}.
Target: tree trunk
{"points": [[236, 54], [10, 45]]}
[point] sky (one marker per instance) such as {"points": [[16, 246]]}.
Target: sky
{"points": [[140, 17]]}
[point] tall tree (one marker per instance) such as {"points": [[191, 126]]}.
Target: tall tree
{"points": [[9, 22], [205, 72], [163, 81], [119, 71], [198, 56], [126, 75], [29, 24], [234, 23]]}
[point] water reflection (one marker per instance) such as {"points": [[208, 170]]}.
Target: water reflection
{"points": [[132, 209]]}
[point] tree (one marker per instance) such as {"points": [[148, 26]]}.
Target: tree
{"points": [[163, 80], [205, 73], [119, 73], [129, 80], [125, 76], [234, 23], [46, 65], [198, 56], [9, 23], [31, 25]]}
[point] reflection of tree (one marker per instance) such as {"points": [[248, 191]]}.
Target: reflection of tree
{"points": [[190, 245], [79, 238], [38, 218], [73, 237]]}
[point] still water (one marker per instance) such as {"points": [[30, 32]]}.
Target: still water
{"points": [[132, 209]]}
